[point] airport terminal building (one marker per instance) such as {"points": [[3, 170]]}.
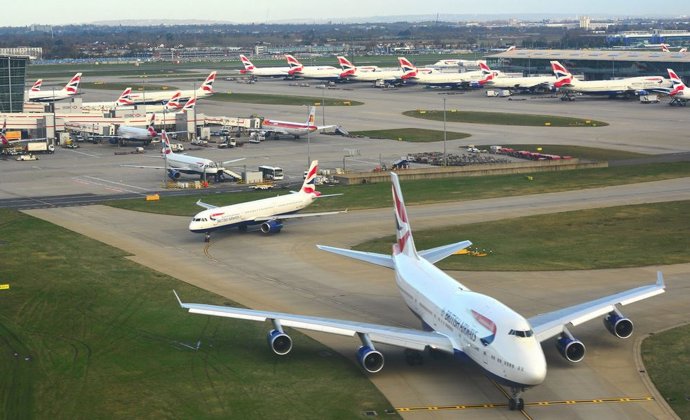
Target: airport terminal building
{"points": [[12, 75], [593, 64]]}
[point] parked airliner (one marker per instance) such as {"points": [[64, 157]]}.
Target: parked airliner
{"points": [[626, 87], [162, 97], [179, 163], [455, 320], [368, 73], [452, 80], [251, 69], [269, 213], [294, 129], [313, 72], [533, 83], [123, 100], [38, 95]]}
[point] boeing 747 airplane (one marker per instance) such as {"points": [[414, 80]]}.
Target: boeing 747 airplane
{"points": [[454, 319], [161, 96], [252, 70]]}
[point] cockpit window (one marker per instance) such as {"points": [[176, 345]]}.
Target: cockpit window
{"points": [[521, 333]]}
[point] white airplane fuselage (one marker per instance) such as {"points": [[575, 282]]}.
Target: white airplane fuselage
{"points": [[288, 128], [449, 308], [617, 86], [374, 75], [320, 72], [162, 97], [444, 79], [521, 82], [47, 96], [191, 164], [270, 72], [244, 214], [133, 133]]}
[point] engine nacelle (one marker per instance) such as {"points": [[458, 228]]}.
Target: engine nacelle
{"points": [[173, 174], [271, 226], [280, 343], [618, 325], [571, 348], [370, 359]]}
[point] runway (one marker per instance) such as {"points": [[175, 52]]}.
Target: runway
{"points": [[287, 273]]}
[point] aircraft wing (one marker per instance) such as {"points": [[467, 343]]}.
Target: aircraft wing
{"points": [[550, 324], [296, 216], [396, 336], [143, 166], [177, 168], [232, 161], [205, 205]]}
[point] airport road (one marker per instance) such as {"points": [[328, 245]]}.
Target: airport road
{"points": [[286, 272]]}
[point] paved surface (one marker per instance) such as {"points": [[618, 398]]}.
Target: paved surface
{"points": [[286, 272]]}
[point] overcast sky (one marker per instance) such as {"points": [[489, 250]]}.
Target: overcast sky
{"points": [[22, 13]]}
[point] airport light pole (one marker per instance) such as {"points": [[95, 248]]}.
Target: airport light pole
{"points": [[445, 137]]}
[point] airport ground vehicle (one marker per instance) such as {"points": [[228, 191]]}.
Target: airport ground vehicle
{"points": [[40, 147], [272, 172], [26, 157]]}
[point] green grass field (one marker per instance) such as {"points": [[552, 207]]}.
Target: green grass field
{"points": [[584, 153], [123, 86], [666, 357], [257, 98], [504, 118], [627, 236], [425, 191], [87, 334], [419, 135]]}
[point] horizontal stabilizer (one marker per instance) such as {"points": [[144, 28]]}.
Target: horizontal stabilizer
{"points": [[435, 255], [370, 257], [206, 206]]}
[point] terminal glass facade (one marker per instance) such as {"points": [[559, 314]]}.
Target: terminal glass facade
{"points": [[12, 76]]}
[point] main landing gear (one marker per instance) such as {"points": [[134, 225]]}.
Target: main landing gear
{"points": [[516, 402]]}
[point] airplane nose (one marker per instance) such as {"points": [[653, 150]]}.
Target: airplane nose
{"points": [[536, 373]]}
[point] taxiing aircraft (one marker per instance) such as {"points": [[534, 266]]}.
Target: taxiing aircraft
{"points": [[680, 95], [368, 73], [37, 95], [312, 72], [162, 97], [617, 87], [179, 163], [534, 83], [277, 128], [455, 319], [468, 79], [269, 213], [251, 69]]}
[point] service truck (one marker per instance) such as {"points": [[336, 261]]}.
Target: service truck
{"points": [[40, 147]]}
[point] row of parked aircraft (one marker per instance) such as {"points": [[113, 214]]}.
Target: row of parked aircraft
{"points": [[562, 80], [35, 94], [455, 320]]}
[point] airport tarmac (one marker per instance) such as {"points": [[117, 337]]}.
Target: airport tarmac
{"points": [[286, 272]]}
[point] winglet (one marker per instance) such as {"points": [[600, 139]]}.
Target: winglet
{"points": [[178, 298], [660, 279]]}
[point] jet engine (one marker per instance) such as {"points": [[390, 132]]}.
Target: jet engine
{"points": [[173, 174], [370, 359], [571, 348], [618, 325], [280, 343], [271, 226]]}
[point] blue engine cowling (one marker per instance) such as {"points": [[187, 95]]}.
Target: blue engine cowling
{"points": [[173, 174], [618, 325], [572, 349], [280, 343], [271, 226], [370, 359]]}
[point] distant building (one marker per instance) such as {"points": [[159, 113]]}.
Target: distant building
{"points": [[34, 53], [12, 77], [584, 22]]}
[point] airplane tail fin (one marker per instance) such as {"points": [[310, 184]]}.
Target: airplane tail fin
{"points": [[3, 139], [511, 48], [664, 48], [309, 184], [677, 84], [165, 141], [403, 232], [683, 50], [73, 85], [152, 130], [409, 69], [125, 98], [348, 68], [207, 87], [174, 102], [189, 105], [312, 117], [248, 66], [294, 64], [563, 76], [37, 85]]}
